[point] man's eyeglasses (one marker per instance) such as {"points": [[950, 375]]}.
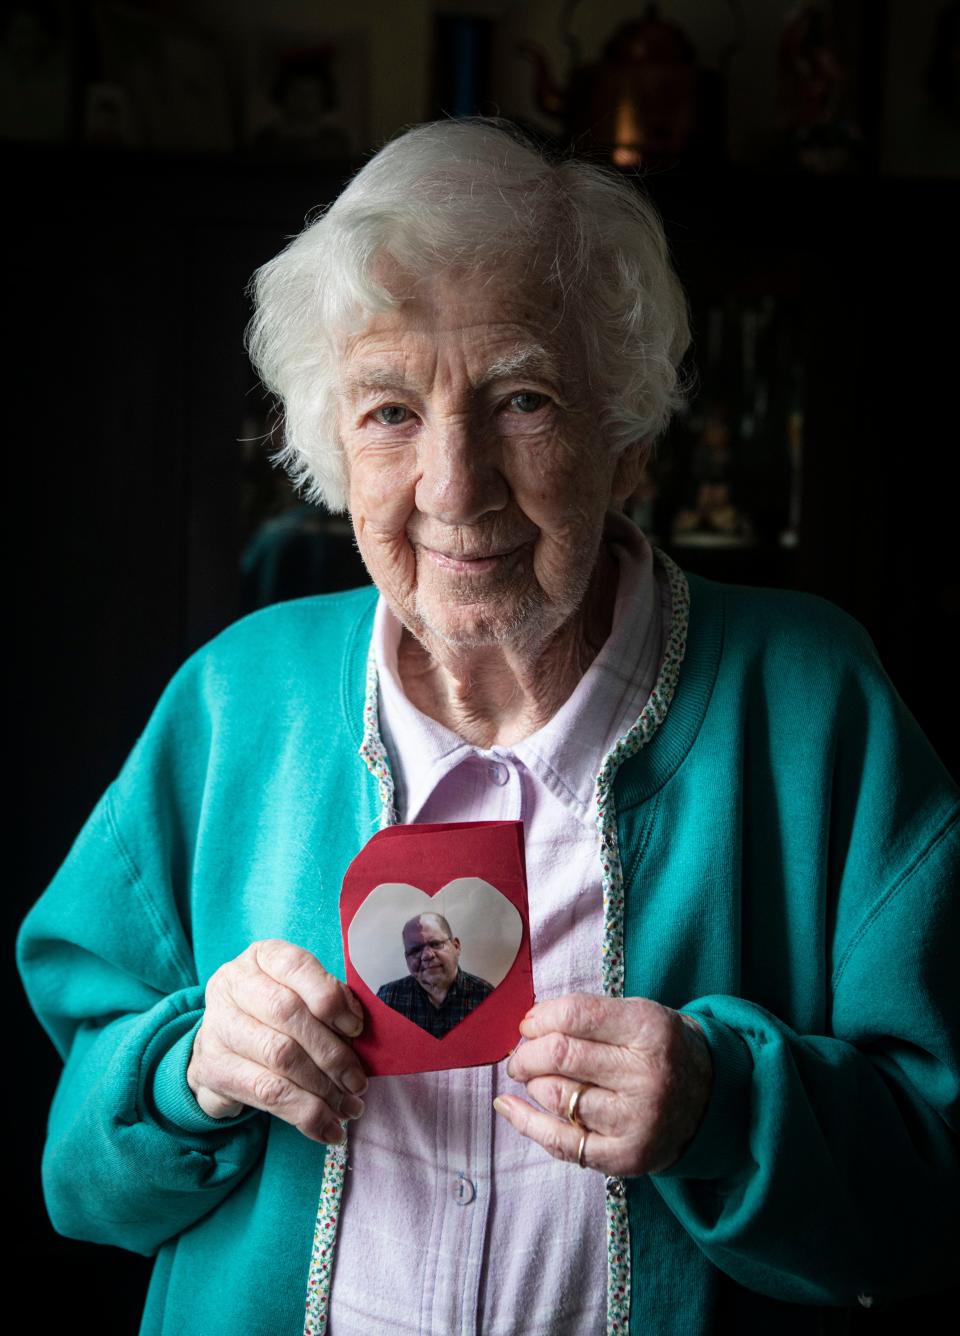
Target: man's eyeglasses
{"points": [[416, 952]]}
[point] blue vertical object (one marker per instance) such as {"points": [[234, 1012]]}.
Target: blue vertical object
{"points": [[462, 64], [466, 51]]}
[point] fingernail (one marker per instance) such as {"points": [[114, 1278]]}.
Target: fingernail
{"points": [[501, 1106], [352, 1106], [348, 1024], [334, 1134], [355, 1081]]}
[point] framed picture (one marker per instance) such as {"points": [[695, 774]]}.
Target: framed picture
{"points": [[35, 71], [168, 79], [307, 95]]}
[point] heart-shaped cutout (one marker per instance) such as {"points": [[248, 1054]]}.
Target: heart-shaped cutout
{"points": [[437, 945], [485, 926]]}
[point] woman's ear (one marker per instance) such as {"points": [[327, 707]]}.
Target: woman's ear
{"points": [[629, 469]]}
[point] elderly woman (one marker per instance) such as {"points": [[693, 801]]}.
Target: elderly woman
{"points": [[732, 1103]]}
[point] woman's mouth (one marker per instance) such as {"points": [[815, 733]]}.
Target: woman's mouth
{"points": [[466, 564]]}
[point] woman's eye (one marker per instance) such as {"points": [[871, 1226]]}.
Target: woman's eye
{"points": [[391, 415], [527, 401]]}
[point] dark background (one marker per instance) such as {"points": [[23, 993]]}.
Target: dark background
{"points": [[126, 259]]}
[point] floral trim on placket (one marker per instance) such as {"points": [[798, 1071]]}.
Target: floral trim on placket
{"points": [[335, 1162], [612, 965], [375, 757], [324, 1234], [372, 749]]}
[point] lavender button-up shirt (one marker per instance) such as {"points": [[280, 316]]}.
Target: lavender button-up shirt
{"points": [[451, 1221]]}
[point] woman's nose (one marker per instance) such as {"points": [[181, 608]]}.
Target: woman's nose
{"points": [[459, 479]]}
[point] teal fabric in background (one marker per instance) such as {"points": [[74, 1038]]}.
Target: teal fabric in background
{"points": [[789, 845]]}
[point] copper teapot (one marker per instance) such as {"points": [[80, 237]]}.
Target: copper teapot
{"points": [[637, 105]]}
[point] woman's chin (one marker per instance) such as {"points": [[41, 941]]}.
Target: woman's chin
{"points": [[483, 622]]}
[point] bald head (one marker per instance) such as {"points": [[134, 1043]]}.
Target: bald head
{"points": [[432, 953], [434, 923]]}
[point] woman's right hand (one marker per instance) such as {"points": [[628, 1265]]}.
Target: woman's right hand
{"points": [[275, 1037]]}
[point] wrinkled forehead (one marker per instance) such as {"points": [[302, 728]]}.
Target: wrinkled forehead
{"points": [[510, 322], [518, 285]]}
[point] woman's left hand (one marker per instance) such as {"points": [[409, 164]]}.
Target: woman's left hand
{"points": [[647, 1072]]}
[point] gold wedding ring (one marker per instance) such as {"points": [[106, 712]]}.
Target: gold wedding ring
{"points": [[573, 1103], [583, 1142]]}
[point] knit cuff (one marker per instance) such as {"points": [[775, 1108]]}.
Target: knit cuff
{"points": [[166, 1092], [721, 1141]]}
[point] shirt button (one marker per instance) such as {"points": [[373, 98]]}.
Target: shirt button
{"points": [[464, 1191], [499, 773]]}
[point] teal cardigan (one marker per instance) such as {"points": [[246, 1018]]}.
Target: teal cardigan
{"points": [[789, 846]]}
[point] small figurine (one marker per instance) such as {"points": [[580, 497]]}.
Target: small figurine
{"points": [[713, 519]]}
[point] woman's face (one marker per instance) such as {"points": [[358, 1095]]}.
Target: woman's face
{"points": [[478, 481]]}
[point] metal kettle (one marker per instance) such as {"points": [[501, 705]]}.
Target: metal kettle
{"points": [[636, 106]]}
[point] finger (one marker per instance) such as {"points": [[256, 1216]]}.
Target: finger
{"points": [[598, 1110], [610, 1066], [246, 1037], [329, 1000], [214, 1105], [635, 1021], [280, 1008], [560, 1139], [250, 1084]]}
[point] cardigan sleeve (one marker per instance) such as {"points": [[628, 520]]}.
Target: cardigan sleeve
{"points": [[130, 1158], [827, 1164]]}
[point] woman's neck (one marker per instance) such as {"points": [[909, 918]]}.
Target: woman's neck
{"points": [[499, 694]]}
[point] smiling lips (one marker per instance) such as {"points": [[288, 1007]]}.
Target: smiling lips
{"points": [[477, 565]]}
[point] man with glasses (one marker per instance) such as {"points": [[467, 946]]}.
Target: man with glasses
{"points": [[437, 994]]}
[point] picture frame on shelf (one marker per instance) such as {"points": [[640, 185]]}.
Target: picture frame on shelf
{"points": [[168, 82], [305, 95], [37, 72]]}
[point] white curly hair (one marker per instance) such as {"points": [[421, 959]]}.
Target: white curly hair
{"points": [[465, 193]]}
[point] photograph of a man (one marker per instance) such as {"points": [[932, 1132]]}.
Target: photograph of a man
{"points": [[437, 994]]}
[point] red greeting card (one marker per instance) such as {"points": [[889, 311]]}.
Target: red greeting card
{"points": [[436, 938]]}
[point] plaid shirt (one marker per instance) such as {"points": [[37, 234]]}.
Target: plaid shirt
{"points": [[407, 997]]}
